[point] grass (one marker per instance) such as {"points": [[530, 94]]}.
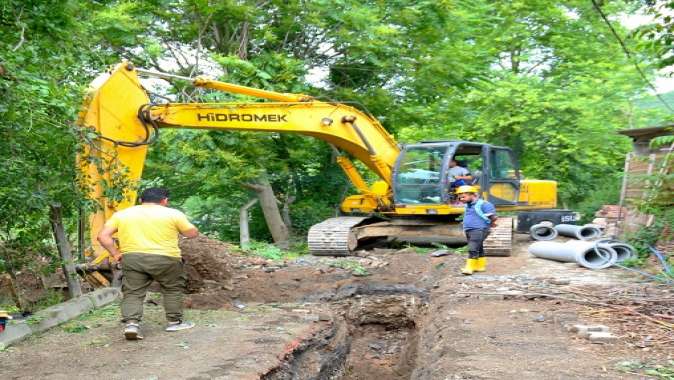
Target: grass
{"points": [[434, 247], [11, 309], [51, 297], [658, 371], [93, 318], [274, 253], [356, 268]]}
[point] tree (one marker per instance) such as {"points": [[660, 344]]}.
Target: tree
{"points": [[45, 57]]}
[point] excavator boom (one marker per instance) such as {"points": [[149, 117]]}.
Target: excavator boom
{"points": [[119, 123]]}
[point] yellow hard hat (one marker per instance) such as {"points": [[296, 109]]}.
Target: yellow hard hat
{"points": [[466, 189]]}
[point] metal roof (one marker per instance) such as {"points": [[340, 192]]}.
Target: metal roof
{"points": [[648, 132]]}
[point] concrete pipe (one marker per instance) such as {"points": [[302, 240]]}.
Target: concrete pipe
{"points": [[586, 254], [543, 231], [586, 232], [623, 251]]}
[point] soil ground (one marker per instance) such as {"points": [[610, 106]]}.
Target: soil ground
{"points": [[412, 316]]}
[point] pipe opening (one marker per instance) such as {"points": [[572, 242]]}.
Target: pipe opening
{"points": [[587, 232], [543, 232], [623, 253], [597, 258], [593, 257]]}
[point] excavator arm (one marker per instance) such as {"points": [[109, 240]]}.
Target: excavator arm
{"points": [[119, 123]]}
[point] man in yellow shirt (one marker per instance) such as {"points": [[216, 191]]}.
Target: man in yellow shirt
{"points": [[148, 250]]}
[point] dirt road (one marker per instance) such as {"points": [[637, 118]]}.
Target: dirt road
{"points": [[406, 316]]}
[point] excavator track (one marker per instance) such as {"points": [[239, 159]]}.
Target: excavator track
{"points": [[334, 236], [500, 239]]}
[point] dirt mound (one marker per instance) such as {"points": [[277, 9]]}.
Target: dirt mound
{"points": [[207, 262]]}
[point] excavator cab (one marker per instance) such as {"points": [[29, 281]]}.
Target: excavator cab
{"points": [[421, 175]]}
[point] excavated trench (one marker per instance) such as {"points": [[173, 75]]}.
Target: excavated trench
{"points": [[372, 334], [367, 327]]}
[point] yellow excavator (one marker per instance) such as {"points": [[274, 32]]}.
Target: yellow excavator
{"points": [[411, 200]]}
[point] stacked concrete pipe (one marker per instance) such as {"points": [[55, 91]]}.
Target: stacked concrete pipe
{"points": [[543, 231], [586, 232], [623, 251], [591, 255]]}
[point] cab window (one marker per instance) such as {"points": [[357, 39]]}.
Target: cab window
{"points": [[501, 165]]}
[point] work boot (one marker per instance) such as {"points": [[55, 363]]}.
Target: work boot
{"points": [[470, 266], [481, 264], [132, 331], [179, 325]]}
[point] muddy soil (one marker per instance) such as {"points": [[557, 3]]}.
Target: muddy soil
{"points": [[207, 261], [412, 316]]}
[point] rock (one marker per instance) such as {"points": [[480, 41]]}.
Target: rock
{"points": [[491, 297], [258, 261], [602, 337], [512, 294], [539, 318], [580, 329], [556, 281], [301, 311]]}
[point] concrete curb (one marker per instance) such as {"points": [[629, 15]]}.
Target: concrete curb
{"points": [[57, 314]]}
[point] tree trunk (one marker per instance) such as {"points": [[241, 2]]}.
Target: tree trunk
{"points": [[242, 52], [272, 214], [74, 289], [244, 232], [286, 212]]}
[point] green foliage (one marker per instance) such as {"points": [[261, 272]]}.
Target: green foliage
{"points": [[642, 238], [272, 252], [658, 371], [356, 268], [51, 297], [46, 58], [11, 309], [656, 35], [266, 250], [92, 318], [604, 191], [462, 250], [74, 327]]}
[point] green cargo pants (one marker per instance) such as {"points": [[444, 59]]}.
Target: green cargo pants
{"points": [[139, 270]]}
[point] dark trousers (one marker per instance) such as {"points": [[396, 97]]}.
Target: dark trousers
{"points": [[476, 240], [140, 270]]}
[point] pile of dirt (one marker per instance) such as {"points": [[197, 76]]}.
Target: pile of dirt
{"points": [[207, 262]]}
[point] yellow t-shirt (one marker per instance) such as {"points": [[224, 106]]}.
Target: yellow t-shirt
{"points": [[150, 229]]}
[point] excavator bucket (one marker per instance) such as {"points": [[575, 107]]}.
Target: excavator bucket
{"points": [[114, 143]]}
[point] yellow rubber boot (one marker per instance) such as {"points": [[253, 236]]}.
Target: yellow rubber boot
{"points": [[470, 266], [481, 264]]}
